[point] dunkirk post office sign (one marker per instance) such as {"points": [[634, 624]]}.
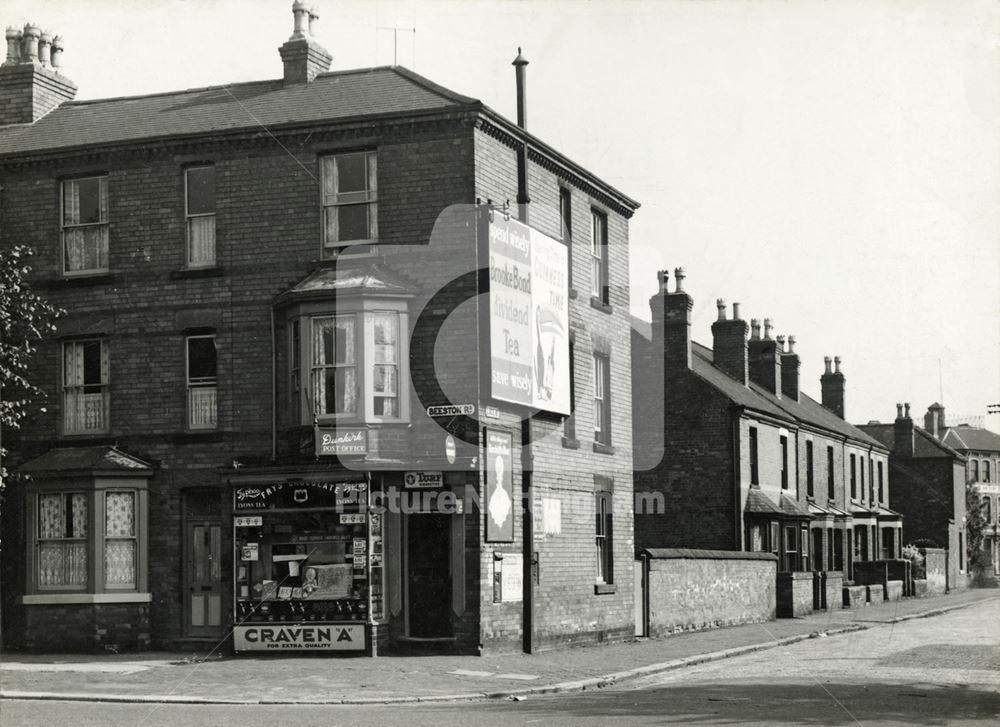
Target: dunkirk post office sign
{"points": [[319, 637], [341, 440], [529, 317]]}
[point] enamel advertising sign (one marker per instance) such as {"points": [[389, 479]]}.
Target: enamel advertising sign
{"points": [[529, 317], [299, 637]]}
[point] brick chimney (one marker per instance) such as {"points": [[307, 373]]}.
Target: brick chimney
{"points": [[672, 321], [729, 343], [790, 371], [765, 366], [832, 387], [934, 421], [903, 432], [303, 56], [31, 81]]}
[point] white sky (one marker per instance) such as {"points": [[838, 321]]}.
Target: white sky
{"points": [[832, 165]]}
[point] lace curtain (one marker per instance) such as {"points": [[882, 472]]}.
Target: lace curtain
{"points": [[201, 240], [86, 246], [120, 545], [62, 539], [334, 376], [386, 371]]}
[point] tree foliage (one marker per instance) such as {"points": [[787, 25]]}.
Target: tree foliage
{"points": [[975, 533], [25, 319]]}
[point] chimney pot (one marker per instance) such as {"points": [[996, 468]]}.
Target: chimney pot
{"points": [[13, 36], [679, 278], [313, 19], [906, 410], [836, 364], [44, 48], [754, 329], [791, 344], [826, 362], [29, 52], [781, 343], [899, 411], [521, 82], [721, 305], [300, 15], [663, 276], [57, 51], [736, 311], [767, 329]]}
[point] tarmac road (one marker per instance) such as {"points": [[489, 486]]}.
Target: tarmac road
{"points": [[943, 670]]}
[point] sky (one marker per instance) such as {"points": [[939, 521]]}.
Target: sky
{"points": [[834, 166]]}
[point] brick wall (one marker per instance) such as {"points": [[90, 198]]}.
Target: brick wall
{"points": [[693, 590], [86, 628]]}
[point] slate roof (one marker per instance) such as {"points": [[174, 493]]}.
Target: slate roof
{"points": [[76, 459], [790, 507], [761, 504], [806, 410], [924, 443], [332, 96], [370, 277], [966, 437]]}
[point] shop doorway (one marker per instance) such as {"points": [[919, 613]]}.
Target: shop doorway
{"points": [[428, 575], [202, 566]]}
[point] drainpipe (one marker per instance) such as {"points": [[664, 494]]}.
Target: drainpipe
{"points": [[274, 393]]}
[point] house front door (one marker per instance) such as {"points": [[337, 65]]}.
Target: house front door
{"points": [[202, 567], [428, 575]]}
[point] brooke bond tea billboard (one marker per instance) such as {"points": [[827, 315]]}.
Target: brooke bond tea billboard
{"points": [[529, 317]]}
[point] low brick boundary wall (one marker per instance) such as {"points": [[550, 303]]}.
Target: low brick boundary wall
{"points": [[834, 590], [935, 570], [855, 596], [690, 590]]}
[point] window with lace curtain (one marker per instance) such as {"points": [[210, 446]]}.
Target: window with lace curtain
{"points": [[199, 209], [86, 375], [85, 225], [350, 202], [357, 366], [87, 540]]}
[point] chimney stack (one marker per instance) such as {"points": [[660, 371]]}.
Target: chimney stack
{"points": [[934, 420], [903, 432], [672, 322], [832, 387], [764, 361], [790, 371], [31, 84], [520, 78], [303, 57], [729, 344]]}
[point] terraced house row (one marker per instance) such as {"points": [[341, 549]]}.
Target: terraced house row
{"points": [[347, 365]]}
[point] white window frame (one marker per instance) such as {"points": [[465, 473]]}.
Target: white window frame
{"points": [[195, 386], [604, 536], [599, 274], [71, 227], [363, 313], [96, 589], [602, 398], [331, 200], [190, 219], [71, 390]]}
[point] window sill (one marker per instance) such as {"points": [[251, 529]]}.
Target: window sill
{"points": [[598, 304], [192, 273], [88, 437], [53, 599], [78, 281], [602, 448], [570, 442], [604, 589]]}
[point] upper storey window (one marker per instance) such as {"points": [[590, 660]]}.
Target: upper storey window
{"points": [[199, 209], [599, 256], [350, 202], [85, 225]]}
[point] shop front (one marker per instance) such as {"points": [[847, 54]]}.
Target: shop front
{"points": [[308, 572]]}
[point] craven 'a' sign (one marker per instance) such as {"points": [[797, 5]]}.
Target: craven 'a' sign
{"points": [[274, 637]]}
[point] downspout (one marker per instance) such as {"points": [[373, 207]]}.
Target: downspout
{"points": [[274, 392], [528, 524], [737, 468]]}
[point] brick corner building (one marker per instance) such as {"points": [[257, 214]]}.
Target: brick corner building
{"points": [[345, 366]]}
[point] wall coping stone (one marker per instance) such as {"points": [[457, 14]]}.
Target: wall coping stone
{"points": [[696, 554]]}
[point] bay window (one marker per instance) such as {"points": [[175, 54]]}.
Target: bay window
{"points": [[88, 540], [357, 362], [85, 225], [86, 374], [350, 201]]}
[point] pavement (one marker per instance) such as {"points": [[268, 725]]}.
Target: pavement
{"points": [[265, 679]]}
